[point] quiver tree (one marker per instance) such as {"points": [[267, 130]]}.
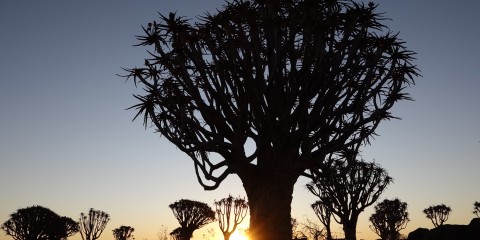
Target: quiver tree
{"points": [[123, 233], [347, 188], [389, 218], [300, 81], [438, 214], [93, 224], [191, 215], [324, 214], [39, 223], [228, 220], [476, 209]]}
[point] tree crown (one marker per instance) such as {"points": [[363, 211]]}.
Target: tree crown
{"points": [[311, 79], [389, 218], [37, 222], [438, 214], [192, 214], [347, 188]]}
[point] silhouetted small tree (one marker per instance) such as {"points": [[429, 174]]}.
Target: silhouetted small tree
{"points": [[325, 216], [123, 233], [312, 230], [347, 188], [162, 233], [228, 220], [93, 224], [438, 214], [476, 208], [191, 215], [296, 233], [39, 223], [389, 218], [301, 81]]}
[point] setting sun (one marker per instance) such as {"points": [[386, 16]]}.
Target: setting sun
{"points": [[238, 236]]}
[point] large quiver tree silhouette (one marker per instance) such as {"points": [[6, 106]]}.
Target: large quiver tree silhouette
{"points": [[93, 224], [389, 218], [300, 81], [191, 215], [230, 213], [39, 223], [347, 188]]}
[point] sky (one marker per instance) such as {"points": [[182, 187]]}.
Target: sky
{"points": [[68, 143]]}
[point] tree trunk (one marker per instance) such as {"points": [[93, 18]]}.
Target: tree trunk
{"points": [[350, 229], [329, 233], [269, 190], [226, 235]]}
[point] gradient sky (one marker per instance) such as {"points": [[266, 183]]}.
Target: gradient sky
{"points": [[67, 142]]}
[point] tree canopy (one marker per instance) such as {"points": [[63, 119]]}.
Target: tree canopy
{"points": [[389, 218], [123, 233], [476, 208], [230, 213], [438, 214], [93, 224], [39, 223], [299, 81], [191, 215], [347, 188], [318, 75]]}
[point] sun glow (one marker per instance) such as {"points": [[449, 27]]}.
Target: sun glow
{"points": [[238, 236]]}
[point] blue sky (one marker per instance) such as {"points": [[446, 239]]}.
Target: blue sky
{"points": [[67, 142]]}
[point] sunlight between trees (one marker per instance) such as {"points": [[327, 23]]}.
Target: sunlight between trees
{"points": [[389, 218]]}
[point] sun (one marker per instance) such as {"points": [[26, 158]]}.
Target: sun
{"points": [[238, 236]]}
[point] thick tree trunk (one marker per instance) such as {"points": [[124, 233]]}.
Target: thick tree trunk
{"points": [[270, 210], [269, 191], [350, 229]]}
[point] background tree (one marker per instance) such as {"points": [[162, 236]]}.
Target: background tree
{"points": [[347, 188], [301, 81], [123, 233], [93, 224], [476, 209], [39, 223], [312, 230], [438, 214], [296, 232], [389, 218], [162, 233], [191, 215], [228, 222], [324, 214]]}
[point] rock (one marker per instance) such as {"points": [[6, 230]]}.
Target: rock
{"points": [[418, 234], [448, 232]]}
